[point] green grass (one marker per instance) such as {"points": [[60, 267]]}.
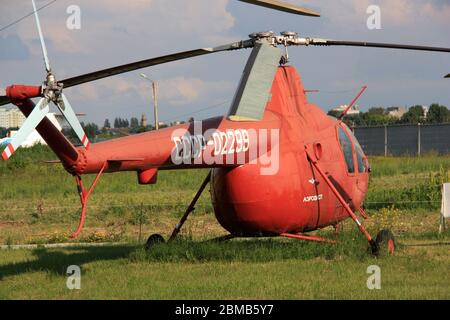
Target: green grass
{"points": [[43, 207], [392, 166], [240, 269]]}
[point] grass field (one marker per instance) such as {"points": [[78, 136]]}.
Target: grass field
{"points": [[42, 207]]}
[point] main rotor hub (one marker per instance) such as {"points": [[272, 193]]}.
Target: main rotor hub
{"points": [[262, 35], [50, 79], [51, 89], [289, 34]]}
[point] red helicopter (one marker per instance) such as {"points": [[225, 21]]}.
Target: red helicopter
{"points": [[279, 165]]}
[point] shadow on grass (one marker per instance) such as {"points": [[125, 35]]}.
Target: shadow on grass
{"points": [[252, 250], [56, 261]]}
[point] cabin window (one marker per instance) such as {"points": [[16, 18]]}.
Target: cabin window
{"points": [[346, 146], [360, 156]]}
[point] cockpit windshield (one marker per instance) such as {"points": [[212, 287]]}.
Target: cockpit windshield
{"points": [[346, 137]]}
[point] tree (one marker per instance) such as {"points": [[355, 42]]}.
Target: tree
{"points": [[373, 117], [121, 123], [3, 132], [414, 115], [90, 129], [107, 124], [377, 111], [134, 123], [438, 114], [334, 113]]}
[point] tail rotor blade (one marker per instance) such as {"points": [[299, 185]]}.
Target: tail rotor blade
{"points": [[41, 37], [39, 112], [3, 98], [70, 116]]}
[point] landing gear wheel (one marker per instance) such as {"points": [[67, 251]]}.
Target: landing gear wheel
{"points": [[384, 243], [152, 240]]}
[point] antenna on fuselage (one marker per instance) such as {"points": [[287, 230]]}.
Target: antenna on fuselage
{"points": [[344, 113]]}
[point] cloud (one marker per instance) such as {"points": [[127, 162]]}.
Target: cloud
{"points": [[175, 91], [183, 90], [13, 48], [154, 21], [403, 19], [115, 32]]}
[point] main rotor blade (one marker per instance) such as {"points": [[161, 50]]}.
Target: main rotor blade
{"points": [[39, 112], [41, 37], [152, 62], [326, 42], [71, 118], [283, 6]]}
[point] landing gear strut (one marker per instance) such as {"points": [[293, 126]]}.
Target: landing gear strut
{"points": [[385, 236], [156, 238]]}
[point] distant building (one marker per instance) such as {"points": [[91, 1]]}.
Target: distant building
{"points": [[143, 121], [11, 117], [353, 110], [396, 112], [425, 111]]}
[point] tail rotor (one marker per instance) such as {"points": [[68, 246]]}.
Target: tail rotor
{"points": [[51, 91]]}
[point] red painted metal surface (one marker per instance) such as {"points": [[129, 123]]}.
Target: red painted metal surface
{"points": [[22, 92], [308, 238], [84, 198], [294, 199]]}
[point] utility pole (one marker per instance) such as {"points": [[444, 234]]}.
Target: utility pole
{"points": [[155, 99], [155, 103], [419, 137]]}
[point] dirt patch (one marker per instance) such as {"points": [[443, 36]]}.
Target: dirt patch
{"points": [[10, 224]]}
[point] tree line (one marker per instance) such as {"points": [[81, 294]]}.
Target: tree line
{"points": [[373, 117], [379, 116], [120, 127]]}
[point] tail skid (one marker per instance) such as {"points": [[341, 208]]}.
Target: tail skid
{"points": [[84, 197]]}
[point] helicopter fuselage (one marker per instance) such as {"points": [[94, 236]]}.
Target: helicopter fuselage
{"points": [[274, 189], [262, 182]]}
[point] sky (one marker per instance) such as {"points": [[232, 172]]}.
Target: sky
{"points": [[115, 32]]}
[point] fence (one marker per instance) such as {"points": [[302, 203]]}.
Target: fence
{"points": [[404, 139]]}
